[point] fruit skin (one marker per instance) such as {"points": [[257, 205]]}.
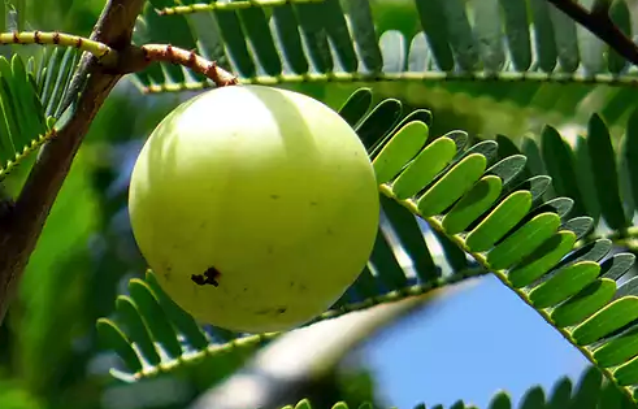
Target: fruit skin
{"points": [[271, 188]]}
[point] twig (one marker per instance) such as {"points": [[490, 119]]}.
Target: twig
{"points": [[168, 53], [103, 52], [21, 225], [601, 25], [235, 5]]}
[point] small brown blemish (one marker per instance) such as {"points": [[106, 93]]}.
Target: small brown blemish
{"points": [[275, 197], [314, 204], [291, 284], [270, 250], [276, 310], [167, 276], [329, 232], [245, 289], [210, 276]]}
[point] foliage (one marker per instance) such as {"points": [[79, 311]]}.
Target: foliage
{"points": [[504, 139]]}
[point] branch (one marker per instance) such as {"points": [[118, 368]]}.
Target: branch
{"points": [[21, 225], [600, 24], [168, 53], [104, 53]]}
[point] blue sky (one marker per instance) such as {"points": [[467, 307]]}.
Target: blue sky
{"points": [[475, 342]]}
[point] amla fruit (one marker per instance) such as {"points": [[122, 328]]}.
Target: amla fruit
{"points": [[255, 207]]}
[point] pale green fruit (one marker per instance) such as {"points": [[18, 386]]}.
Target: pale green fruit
{"points": [[272, 189]]}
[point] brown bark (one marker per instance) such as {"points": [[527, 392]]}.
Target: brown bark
{"points": [[21, 223]]}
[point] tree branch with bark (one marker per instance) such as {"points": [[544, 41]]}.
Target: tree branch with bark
{"points": [[599, 23]]}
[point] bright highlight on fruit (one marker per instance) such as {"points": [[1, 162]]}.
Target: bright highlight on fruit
{"points": [[256, 207]]}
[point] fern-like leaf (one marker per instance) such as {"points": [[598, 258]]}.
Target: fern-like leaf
{"points": [[591, 391], [341, 41], [31, 98]]}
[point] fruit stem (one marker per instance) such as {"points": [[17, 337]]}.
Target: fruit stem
{"points": [[175, 55], [99, 50]]}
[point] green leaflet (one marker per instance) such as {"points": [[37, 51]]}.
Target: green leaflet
{"points": [[379, 122], [366, 285], [159, 326], [404, 145], [392, 45], [504, 217], [533, 398], [475, 202], [567, 282], [627, 374], [234, 41], [615, 267], [509, 169], [621, 16], [587, 390], [356, 106], [386, 265], [450, 188], [618, 350], [542, 259], [410, 237], [630, 152], [183, 322], [432, 160], [608, 319], [488, 34], [561, 394], [114, 338], [129, 315], [523, 241], [286, 33], [261, 38], [559, 160], [418, 115], [602, 157]]}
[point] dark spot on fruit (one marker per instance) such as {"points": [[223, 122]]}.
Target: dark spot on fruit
{"points": [[291, 284], [210, 276], [167, 276], [274, 197], [329, 231], [245, 289], [272, 311], [303, 288], [270, 250], [314, 204]]}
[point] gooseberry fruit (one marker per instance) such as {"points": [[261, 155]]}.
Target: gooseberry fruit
{"points": [[255, 207]]}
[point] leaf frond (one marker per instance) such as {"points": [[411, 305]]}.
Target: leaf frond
{"points": [[31, 97], [332, 41], [589, 391]]}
